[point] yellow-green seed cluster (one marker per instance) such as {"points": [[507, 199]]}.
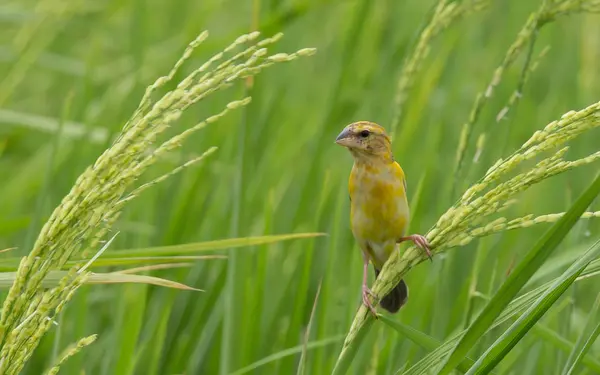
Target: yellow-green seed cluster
{"points": [[516, 95], [70, 351], [87, 212], [468, 217], [461, 222], [502, 224], [548, 12]]}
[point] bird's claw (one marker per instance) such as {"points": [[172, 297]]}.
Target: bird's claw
{"points": [[366, 292], [421, 243]]}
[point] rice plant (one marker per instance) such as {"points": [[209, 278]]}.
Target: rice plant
{"points": [[178, 227], [90, 209]]}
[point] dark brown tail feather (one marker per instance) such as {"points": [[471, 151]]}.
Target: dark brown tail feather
{"points": [[397, 297]]}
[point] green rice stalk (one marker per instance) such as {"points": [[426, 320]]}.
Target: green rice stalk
{"points": [[444, 14], [87, 212], [70, 351], [466, 218], [546, 13], [33, 38], [528, 70]]}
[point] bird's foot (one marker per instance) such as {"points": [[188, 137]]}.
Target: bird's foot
{"points": [[366, 292], [421, 243]]}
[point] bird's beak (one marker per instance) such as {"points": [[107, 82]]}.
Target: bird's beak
{"points": [[343, 138]]}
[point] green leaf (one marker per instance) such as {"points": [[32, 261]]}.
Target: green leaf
{"points": [[522, 273], [198, 247], [167, 254], [558, 341], [588, 336], [518, 329], [11, 264], [422, 339], [132, 261], [54, 277], [302, 365], [516, 307], [287, 352]]}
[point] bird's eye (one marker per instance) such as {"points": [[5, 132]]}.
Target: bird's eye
{"points": [[364, 133]]}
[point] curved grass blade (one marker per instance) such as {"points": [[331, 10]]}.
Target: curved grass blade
{"points": [[302, 364], [586, 347], [522, 273], [498, 350], [154, 267], [422, 339], [7, 279], [350, 348], [11, 264], [285, 353], [516, 307], [198, 247], [561, 343], [152, 254], [585, 341]]}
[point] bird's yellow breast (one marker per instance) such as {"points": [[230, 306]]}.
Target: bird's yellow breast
{"points": [[379, 209]]}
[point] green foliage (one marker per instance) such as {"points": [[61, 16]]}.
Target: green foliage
{"points": [[493, 193], [587, 338], [518, 278], [74, 72], [423, 340], [498, 350]]}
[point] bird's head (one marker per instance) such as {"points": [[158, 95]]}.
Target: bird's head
{"points": [[366, 140]]}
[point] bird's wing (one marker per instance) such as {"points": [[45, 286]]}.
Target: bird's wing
{"points": [[400, 174]]}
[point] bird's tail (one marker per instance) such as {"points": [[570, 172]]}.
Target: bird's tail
{"points": [[397, 297]]}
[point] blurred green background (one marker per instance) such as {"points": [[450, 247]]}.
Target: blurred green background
{"points": [[85, 65]]}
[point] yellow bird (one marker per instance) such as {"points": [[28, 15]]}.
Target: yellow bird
{"points": [[379, 212]]}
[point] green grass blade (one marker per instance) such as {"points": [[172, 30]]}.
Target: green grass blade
{"points": [[565, 345], [422, 339], [11, 264], [350, 349], [173, 253], [54, 277], [522, 273], [131, 310], [588, 336], [232, 288], [188, 248], [589, 342], [518, 329], [516, 307], [197, 247], [287, 352], [302, 364]]}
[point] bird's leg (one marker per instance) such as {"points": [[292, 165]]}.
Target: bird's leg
{"points": [[421, 243], [366, 292]]}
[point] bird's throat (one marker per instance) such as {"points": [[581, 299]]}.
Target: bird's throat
{"points": [[372, 159]]}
